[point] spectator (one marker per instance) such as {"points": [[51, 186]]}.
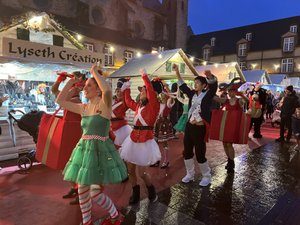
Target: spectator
{"points": [[288, 105]]}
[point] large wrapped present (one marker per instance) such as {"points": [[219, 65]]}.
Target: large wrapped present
{"points": [[225, 125], [56, 139], [244, 129]]}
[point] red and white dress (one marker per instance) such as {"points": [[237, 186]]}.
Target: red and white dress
{"points": [[119, 124], [140, 148]]}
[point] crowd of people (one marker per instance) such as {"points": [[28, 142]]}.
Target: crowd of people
{"points": [[111, 151]]}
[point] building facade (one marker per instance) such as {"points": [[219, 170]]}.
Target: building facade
{"points": [[272, 46], [117, 29]]}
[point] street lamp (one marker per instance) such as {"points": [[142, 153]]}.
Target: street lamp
{"points": [[254, 65], [276, 66]]}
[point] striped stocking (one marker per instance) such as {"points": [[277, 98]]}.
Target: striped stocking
{"points": [[103, 201], [85, 204]]}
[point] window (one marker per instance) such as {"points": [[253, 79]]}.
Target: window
{"points": [[98, 15], [249, 36], [242, 49], [243, 65], [128, 55], [108, 56], [58, 40], [293, 28], [288, 44], [89, 46], [287, 65], [22, 34], [213, 41], [206, 52]]}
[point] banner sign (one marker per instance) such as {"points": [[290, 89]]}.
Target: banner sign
{"points": [[49, 53]]}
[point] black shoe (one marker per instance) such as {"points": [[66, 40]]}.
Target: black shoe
{"points": [[280, 139], [230, 166], [135, 197], [73, 192], [75, 201], [152, 193], [257, 135], [155, 164]]}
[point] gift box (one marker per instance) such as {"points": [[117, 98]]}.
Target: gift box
{"points": [[225, 125], [245, 121], [56, 140]]}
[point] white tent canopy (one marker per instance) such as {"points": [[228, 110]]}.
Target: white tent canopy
{"points": [[158, 65], [225, 72]]}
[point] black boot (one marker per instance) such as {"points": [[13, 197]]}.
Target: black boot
{"points": [[73, 192], [75, 201], [152, 193], [135, 197], [230, 166]]}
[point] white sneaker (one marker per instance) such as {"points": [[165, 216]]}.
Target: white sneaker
{"points": [[187, 179], [205, 181]]}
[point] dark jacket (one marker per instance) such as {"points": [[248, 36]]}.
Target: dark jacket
{"points": [[290, 103], [206, 101]]}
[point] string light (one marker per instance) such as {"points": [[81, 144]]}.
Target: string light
{"points": [[160, 56], [112, 49], [138, 54], [192, 58], [79, 37]]}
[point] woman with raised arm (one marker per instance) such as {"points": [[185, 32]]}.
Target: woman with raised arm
{"points": [[231, 103], [140, 149], [94, 161]]}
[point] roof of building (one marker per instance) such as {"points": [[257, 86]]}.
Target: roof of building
{"points": [[265, 36], [254, 76], [152, 63], [277, 78]]}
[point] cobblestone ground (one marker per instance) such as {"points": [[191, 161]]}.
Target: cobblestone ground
{"points": [[264, 190], [265, 185]]}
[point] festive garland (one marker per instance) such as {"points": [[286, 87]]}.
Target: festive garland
{"points": [[23, 20]]}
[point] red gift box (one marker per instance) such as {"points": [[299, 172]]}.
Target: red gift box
{"points": [[225, 125], [57, 138], [244, 129]]}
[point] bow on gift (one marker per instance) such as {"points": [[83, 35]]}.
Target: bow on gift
{"points": [[62, 76]]}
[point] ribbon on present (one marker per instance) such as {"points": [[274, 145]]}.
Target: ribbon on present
{"points": [[49, 138], [222, 126]]}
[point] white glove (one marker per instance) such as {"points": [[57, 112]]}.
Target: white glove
{"points": [[143, 72], [126, 85]]}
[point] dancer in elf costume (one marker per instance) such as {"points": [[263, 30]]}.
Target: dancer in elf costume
{"points": [[94, 161], [181, 123], [140, 149], [73, 96], [196, 130], [119, 124], [163, 130]]}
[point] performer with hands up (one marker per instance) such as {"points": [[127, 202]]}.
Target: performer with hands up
{"points": [[140, 150], [196, 130], [94, 161]]}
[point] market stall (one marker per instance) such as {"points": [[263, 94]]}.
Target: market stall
{"points": [[32, 49]]}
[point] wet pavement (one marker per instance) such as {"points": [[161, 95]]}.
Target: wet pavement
{"points": [[265, 189], [266, 183]]}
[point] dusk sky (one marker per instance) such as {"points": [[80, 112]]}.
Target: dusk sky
{"points": [[212, 15]]}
